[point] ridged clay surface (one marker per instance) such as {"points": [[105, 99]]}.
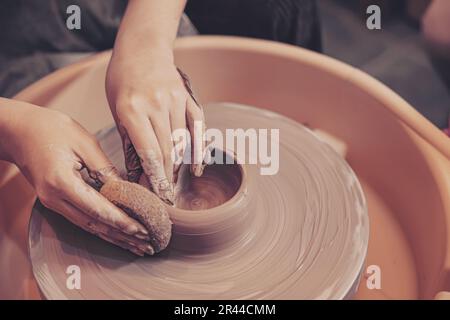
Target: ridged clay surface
{"points": [[304, 235]]}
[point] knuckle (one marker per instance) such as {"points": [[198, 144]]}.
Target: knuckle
{"points": [[93, 226], [136, 105], [130, 105], [53, 186], [64, 118], [92, 140], [94, 214], [178, 99], [46, 199], [156, 111], [159, 100], [163, 101], [177, 94], [195, 113], [51, 183], [158, 96], [158, 103]]}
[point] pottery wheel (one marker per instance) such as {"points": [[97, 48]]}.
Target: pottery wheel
{"points": [[307, 238]]}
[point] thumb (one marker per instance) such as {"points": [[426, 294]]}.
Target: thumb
{"points": [[97, 163]]}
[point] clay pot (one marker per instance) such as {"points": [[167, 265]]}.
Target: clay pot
{"points": [[210, 211]]}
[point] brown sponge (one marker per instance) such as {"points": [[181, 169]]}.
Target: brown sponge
{"points": [[142, 205]]}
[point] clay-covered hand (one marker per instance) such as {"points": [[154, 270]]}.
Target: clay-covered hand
{"points": [[51, 149], [149, 99]]}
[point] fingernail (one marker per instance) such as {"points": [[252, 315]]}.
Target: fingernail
{"points": [[149, 250], [142, 236], [136, 230], [198, 169], [131, 229], [143, 231], [137, 252]]}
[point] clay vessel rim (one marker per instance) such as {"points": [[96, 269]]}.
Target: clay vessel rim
{"points": [[180, 214]]}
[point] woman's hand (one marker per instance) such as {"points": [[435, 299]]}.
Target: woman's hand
{"points": [[149, 100], [51, 149]]}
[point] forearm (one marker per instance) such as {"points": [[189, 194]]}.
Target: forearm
{"points": [[10, 114], [149, 24]]}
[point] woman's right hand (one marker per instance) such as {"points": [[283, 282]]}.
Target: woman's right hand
{"points": [[51, 149]]}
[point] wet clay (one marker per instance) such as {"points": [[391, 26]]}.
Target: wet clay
{"points": [[299, 234], [218, 184]]}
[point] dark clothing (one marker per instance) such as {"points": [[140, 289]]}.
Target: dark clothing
{"points": [[290, 21], [35, 40], [40, 25]]}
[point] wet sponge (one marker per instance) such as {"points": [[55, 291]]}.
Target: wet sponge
{"points": [[144, 206]]}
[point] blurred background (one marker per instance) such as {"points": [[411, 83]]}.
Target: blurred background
{"points": [[405, 54], [410, 53]]}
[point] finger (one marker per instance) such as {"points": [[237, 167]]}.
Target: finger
{"points": [[89, 200], [101, 230], [142, 245], [86, 223], [132, 161], [96, 162], [160, 122], [180, 139], [147, 148], [196, 124], [93, 204], [122, 244]]}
